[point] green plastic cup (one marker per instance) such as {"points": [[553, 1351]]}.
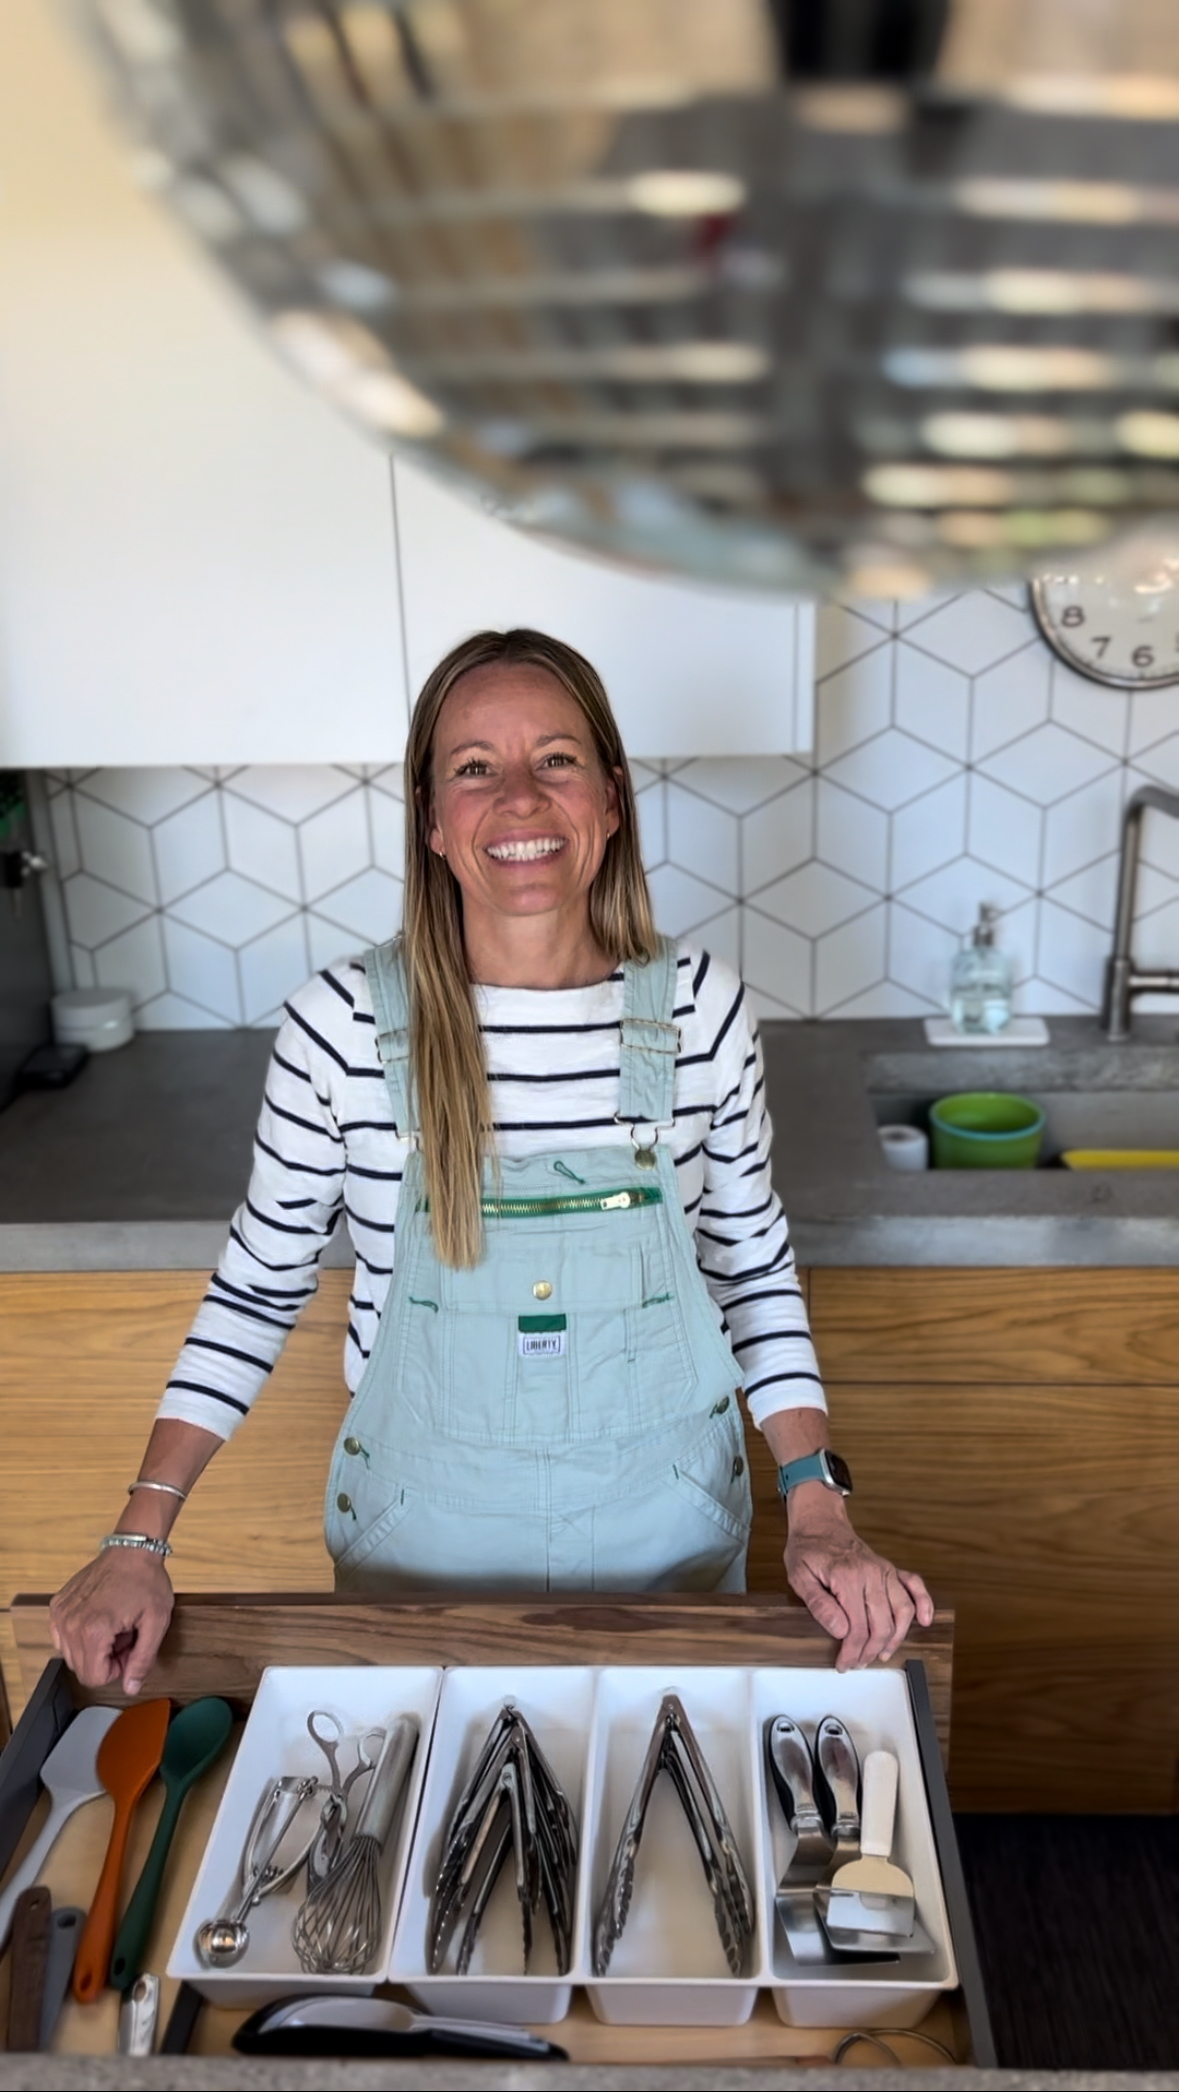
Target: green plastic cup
{"points": [[985, 1129]]}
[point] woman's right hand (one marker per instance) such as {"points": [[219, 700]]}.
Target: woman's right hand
{"points": [[109, 1620]]}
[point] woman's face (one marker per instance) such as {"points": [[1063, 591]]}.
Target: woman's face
{"points": [[521, 806]]}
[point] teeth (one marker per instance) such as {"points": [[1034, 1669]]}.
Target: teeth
{"points": [[523, 853]]}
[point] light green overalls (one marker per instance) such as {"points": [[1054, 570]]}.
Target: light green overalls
{"points": [[564, 1416]]}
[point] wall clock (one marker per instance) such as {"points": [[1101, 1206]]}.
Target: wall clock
{"points": [[1113, 615]]}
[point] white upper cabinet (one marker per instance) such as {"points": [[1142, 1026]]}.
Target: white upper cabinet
{"points": [[690, 670], [196, 554]]}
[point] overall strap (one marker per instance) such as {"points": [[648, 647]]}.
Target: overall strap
{"points": [[386, 979], [650, 1041]]}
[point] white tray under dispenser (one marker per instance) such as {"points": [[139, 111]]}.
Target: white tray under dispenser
{"points": [[874, 1705], [669, 1967], [275, 1740], [557, 1701]]}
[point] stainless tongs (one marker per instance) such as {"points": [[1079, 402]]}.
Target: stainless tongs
{"points": [[675, 1750], [511, 1803]]}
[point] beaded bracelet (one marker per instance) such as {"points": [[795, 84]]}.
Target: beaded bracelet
{"points": [[143, 1541]]}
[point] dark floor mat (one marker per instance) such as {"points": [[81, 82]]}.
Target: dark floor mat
{"points": [[1078, 1933]]}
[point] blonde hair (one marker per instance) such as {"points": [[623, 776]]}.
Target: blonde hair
{"points": [[450, 1072]]}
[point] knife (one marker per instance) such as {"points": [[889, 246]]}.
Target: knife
{"points": [[350, 2026]]}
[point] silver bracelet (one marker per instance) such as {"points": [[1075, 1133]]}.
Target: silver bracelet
{"points": [[141, 1540], [168, 1488]]}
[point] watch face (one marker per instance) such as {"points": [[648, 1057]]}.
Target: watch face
{"points": [[1113, 615], [840, 1472]]}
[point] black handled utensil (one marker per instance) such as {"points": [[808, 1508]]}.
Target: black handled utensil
{"points": [[347, 2026]]}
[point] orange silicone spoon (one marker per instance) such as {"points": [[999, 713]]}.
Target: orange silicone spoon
{"points": [[128, 1759]]}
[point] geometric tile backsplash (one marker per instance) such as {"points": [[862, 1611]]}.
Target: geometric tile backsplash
{"points": [[957, 761]]}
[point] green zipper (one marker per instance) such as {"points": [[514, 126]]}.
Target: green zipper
{"points": [[572, 1202]]}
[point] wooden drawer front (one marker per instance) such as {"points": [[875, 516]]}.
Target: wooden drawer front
{"points": [[1079, 1327]]}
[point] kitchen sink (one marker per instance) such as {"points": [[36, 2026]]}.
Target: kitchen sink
{"points": [[1072, 1118], [1095, 1096]]}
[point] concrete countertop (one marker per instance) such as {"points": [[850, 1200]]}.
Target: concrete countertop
{"points": [[51, 2073], [141, 1161]]}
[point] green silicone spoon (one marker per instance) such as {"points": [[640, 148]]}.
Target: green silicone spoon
{"points": [[196, 1738]]}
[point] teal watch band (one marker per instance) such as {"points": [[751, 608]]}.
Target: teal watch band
{"points": [[823, 1466]]}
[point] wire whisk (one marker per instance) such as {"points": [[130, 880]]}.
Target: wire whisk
{"points": [[338, 1927]]}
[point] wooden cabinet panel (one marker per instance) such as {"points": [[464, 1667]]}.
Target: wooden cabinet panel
{"points": [[1096, 1327], [1045, 1516], [86, 1358]]}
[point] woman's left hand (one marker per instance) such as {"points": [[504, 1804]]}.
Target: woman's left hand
{"points": [[862, 1600]]}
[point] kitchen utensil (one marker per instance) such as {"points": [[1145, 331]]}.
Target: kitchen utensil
{"points": [[985, 1129], [187, 2006], [196, 1738], [788, 1755], [70, 1777], [128, 1759], [871, 1894], [836, 1775], [65, 1930], [221, 1942], [138, 2014], [325, 1849], [837, 1788], [514, 1803], [674, 1748], [338, 1928], [849, 1943], [319, 2026], [30, 1952]]}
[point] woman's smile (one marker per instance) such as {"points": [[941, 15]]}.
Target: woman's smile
{"points": [[525, 849]]}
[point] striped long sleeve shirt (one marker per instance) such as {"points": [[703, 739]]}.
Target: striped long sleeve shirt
{"points": [[326, 1147]]}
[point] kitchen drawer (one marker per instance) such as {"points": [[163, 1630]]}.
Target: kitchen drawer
{"points": [[741, 1633]]}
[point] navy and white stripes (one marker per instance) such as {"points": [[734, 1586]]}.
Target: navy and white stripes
{"points": [[326, 1146]]}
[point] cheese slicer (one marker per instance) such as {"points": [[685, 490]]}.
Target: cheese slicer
{"points": [[871, 1894]]}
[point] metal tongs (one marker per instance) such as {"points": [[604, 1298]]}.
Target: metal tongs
{"points": [[674, 1749], [511, 1803]]}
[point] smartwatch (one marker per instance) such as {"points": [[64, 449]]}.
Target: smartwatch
{"points": [[827, 1468]]}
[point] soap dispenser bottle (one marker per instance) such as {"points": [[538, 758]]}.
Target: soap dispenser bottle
{"points": [[980, 983]]}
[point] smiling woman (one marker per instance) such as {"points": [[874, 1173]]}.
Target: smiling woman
{"points": [[545, 1126]]}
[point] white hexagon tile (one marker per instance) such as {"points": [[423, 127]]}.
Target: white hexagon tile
{"points": [[957, 762]]}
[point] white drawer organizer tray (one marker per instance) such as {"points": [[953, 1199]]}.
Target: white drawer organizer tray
{"points": [[876, 1709], [558, 1703], [669, 1966], [276, 1741], [593, 1725]]}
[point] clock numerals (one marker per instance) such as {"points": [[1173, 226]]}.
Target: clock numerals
{"points": [[1143, 657], [1100, 642], [1073, 615]]}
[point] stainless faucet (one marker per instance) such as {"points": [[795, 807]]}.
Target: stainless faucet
{"points": [[1122, 978]]}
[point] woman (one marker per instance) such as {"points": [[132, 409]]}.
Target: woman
{"points": [[545, 1372]]}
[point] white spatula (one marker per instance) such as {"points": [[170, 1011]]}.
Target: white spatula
{"points": [[70, 1777], [871, 1894]]}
